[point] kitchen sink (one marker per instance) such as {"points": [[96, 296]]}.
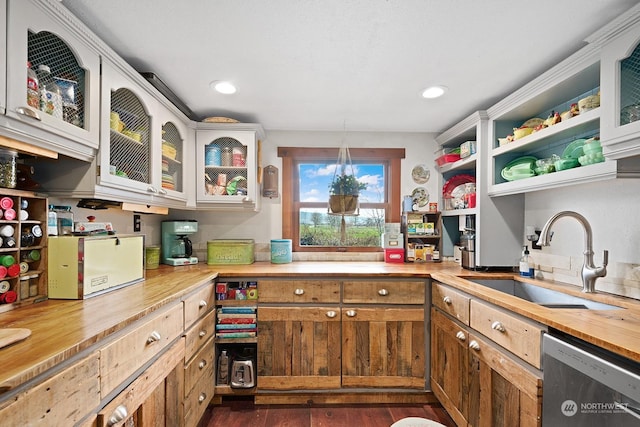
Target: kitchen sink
{"points": [[542, 296]]}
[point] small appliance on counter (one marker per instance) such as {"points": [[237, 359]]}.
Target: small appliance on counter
{"points": [[176, 245], [84, 266]]}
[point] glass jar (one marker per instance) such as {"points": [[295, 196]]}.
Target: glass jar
{"points": [[65, 220], [8, 173], [227, 156]]}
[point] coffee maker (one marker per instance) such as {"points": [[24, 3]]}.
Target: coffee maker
{"points": [[176, 245]]}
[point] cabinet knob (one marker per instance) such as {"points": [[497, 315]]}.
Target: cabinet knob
{"points": [[119, 414], [299, 291], [202, 397], [498, 326], [202, 304], [473, 345], [461, 336], [383, 292], [163, 192], [331, 314], [447, 300], [351, 313], [153, 337], [202, 364], [202, 333], [152, 189]]}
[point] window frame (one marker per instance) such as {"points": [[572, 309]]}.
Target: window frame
{"points": [[292, 156]]}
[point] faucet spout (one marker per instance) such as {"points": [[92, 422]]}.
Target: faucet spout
{"points": [[589, 272]]}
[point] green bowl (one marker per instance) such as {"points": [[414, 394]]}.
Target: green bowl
{"points": [[574, 150], [566, 163], [592, 146]]}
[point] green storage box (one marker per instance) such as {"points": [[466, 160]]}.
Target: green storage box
{"points": [[230, 251]]}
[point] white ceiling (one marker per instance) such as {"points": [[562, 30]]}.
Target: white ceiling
{"points": [[356, 65]]}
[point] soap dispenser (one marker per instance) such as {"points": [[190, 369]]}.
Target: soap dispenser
{"points": [[526, 263]]}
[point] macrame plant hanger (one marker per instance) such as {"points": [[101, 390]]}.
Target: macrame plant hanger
{"points": [[348, 204]]}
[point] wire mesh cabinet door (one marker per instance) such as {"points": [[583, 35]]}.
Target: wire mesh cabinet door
{"points": [[36, 39], [129, 115], [226, 168], [171, 156], [620, 81]]}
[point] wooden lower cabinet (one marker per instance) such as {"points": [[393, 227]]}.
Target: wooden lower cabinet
{"points": [[450, 366], [61, 400], [479, 383], [383, 347], [299, 348], [151, 399]]}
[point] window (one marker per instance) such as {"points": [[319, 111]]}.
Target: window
{"points": [[306, 174]]}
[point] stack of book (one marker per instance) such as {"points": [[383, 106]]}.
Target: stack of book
{"points": [[236, 322]]}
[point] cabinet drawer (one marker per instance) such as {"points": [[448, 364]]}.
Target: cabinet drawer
{"points": [[198, 303], [520, 336], [199, 333], [122, 357], [383, 292], [283, 291], [197, 401], [132, 399], [201, 364], [61, 400], [450, 301]]}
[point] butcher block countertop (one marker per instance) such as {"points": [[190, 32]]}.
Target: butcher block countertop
{"points": [[62, 329]]}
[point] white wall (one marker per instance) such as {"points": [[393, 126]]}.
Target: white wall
{"points": [[267, 224], [611, 208]]}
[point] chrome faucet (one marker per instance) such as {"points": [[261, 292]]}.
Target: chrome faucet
{"points": [[589, 271]]}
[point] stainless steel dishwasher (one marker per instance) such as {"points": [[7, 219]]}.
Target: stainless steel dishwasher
{"points": [[584, 385]]}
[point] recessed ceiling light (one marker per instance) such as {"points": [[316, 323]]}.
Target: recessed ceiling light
{"points": [[434, 92], [224, 87]]}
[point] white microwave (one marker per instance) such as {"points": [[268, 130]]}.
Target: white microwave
{"points": [[84, 266]]}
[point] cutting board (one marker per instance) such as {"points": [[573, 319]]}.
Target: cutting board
{"points": [[11, 335]]}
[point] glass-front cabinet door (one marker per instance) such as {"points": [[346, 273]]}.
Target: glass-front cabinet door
{"points": [[126, 137], [227, 173], [53, 76], [620, 66]]}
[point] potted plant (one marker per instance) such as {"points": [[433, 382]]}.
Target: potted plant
{"points": [[343, 194]]}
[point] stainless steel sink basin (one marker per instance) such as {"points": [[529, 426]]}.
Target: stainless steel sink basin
{"points": [[542, 296]]}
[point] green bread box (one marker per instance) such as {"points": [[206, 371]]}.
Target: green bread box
{"points": [[230, 251]]}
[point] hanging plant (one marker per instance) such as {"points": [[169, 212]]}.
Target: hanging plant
{"points": [[345, 187]]}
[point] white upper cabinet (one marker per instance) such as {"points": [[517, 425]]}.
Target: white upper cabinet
{"points": [[620, 66], [227, 166], [172, 156], [126, 140], [37, 37], [3, 58]]}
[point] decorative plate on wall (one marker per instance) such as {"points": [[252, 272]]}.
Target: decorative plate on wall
{"points": [[420, 196], [420, 174]]}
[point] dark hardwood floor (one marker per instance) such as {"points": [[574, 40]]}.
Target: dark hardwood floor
{"points": [[243, 413]]}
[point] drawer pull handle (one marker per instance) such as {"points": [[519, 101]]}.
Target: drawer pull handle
{"points": [[383, 292], [202, 364], [299, 291], [498, 326], [473, 345], [153, 337], [461, 336], [203, 304], [331, 314], [202, 333], [28, 112], [447, 300], [351, 313], [202, 397], [119, 414]]}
